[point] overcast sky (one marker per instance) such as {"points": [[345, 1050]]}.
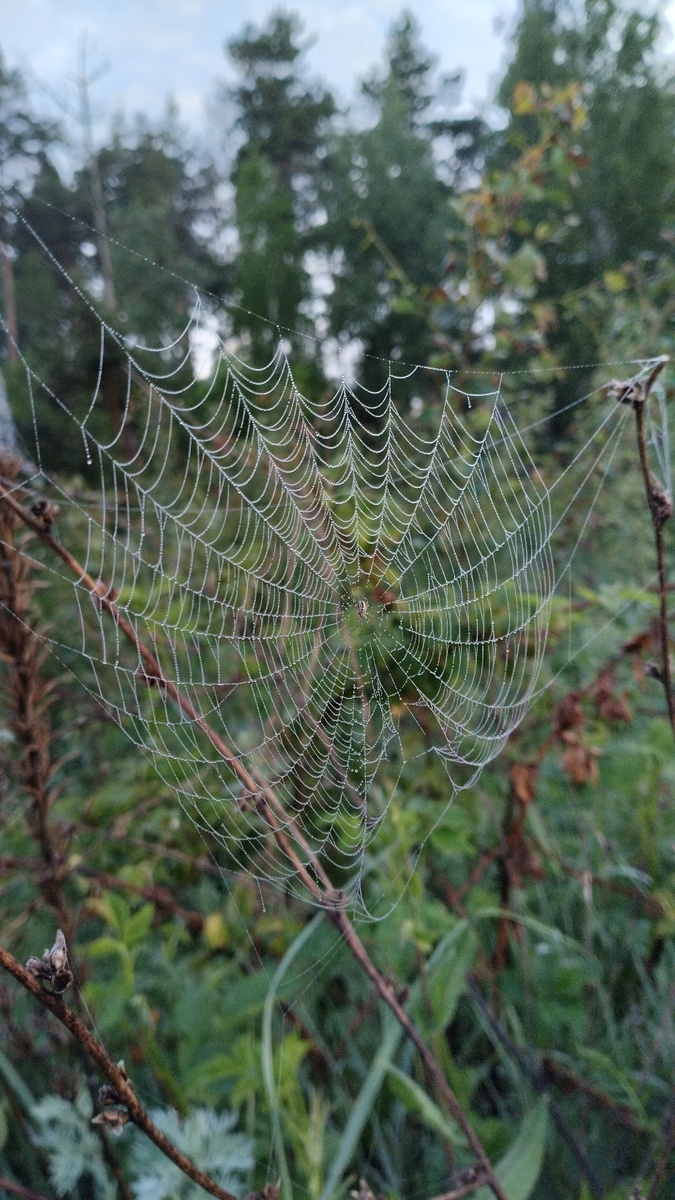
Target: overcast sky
{"points": [[153, 48]]}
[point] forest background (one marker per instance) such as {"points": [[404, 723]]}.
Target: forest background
{"points": [[538, 924]]}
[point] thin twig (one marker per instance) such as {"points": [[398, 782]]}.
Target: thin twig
{"points": [[568, 1081], [668, 1132], [311, 871], [463, 1190], [386, 991], [16, 1189], [657, 523], [115, 1076]]}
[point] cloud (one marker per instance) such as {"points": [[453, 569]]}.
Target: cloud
{"points": [[163, 47]]}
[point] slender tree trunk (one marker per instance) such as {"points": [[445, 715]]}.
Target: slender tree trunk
{"points": [[12, 335], [98, 202]]}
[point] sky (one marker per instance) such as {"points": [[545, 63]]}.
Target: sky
{"points": [[151, 49]]}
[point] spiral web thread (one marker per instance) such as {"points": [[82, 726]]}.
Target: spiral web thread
{"points": [[336, 594]]}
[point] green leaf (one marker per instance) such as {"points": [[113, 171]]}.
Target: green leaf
{"points": [[16, 1084], [448, 969], [519, 1168], [417, 1101], [242, 1064], [433, 1005], [268, 1056], [139, 925], [362, 1108]]}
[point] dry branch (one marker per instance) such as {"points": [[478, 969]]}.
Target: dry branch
{"points": [[636, 393], [116, 1077]]}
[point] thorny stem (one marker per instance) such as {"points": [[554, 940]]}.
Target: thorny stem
{"points": [[113, 1074], [263, 796], [23, 651]]}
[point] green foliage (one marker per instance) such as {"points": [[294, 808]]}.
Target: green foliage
{"points": [[519, 1169], [206, 1138], [388, 216], [64, 1132]]}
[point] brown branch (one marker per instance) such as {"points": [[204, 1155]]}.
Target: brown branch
{"points": [[464, 1189], [156, 894], [386, 991], [653, 905], [16, 1189], [339, 918], [569, 1082], [659, 514], [265, 799], [115, 1076], [29, 700], [636, 393]]}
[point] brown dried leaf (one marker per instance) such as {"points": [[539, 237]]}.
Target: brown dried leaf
{"points": [[609, 706], [523, 776], [579, 762], [112, 1120], [569, 714]]}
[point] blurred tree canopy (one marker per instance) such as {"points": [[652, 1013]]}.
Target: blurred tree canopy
{"points": [[534, 940]]}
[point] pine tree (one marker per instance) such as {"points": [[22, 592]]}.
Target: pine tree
{"points": [[284, 122], [389, 206]]}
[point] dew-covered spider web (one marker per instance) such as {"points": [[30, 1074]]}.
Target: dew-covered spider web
{"points": [[335, 589]]}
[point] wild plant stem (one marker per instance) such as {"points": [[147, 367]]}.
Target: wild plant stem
{"points": [[16, 1189], [658, 518], [465, 1189]]}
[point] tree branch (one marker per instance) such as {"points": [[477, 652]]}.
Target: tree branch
{"points": [[115, 1076]]}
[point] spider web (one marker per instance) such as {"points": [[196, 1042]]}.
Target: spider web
{"points": [[337, 593]]}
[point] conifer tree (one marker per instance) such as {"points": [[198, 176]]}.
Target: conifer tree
{"points": [[284, 121], [389, 205]]}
